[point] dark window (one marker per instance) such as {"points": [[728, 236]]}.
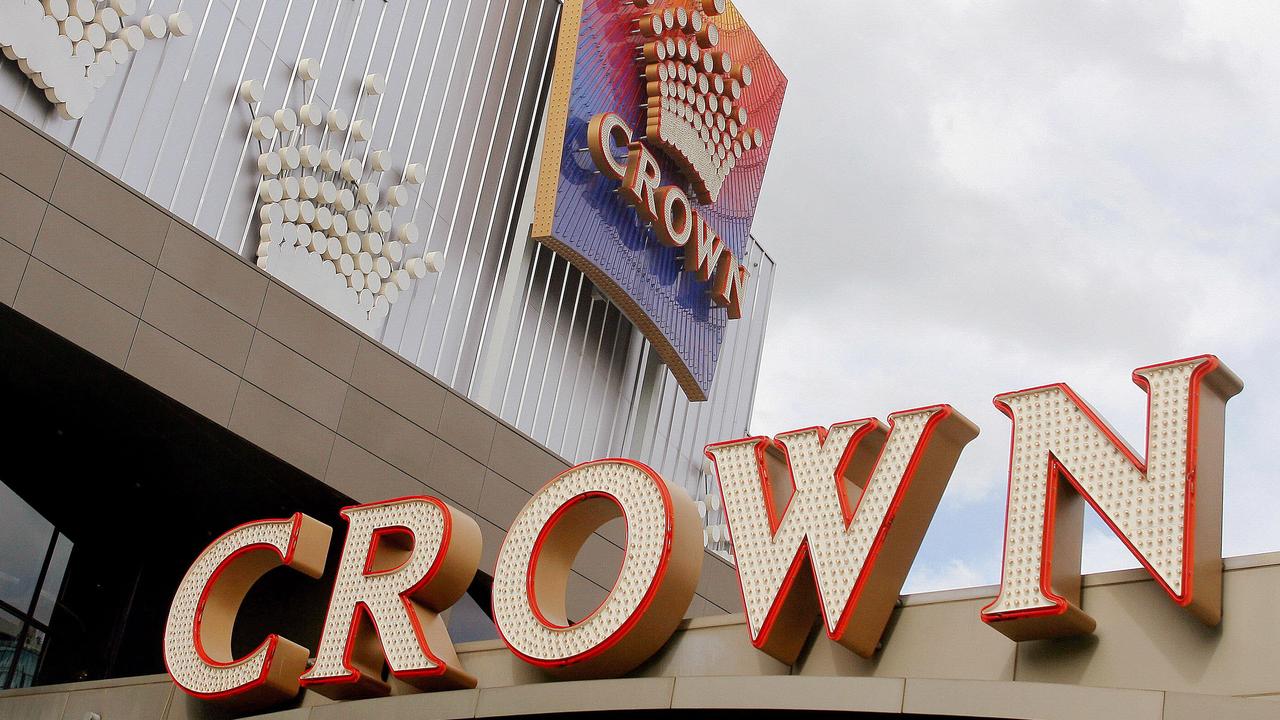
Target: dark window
{"points": [[10, 631], [52, 586], [469, 618], [109, 492]]}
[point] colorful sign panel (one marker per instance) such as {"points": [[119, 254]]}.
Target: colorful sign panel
{"points": [[700, 97]]}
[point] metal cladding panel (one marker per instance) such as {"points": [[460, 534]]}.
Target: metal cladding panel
{"points": [[603, 235], [678, 430], [481, 158], [462, 84], [580, 381]]}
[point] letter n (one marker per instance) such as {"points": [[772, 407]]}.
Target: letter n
{"points": [[858, 497], [1167, 509]]}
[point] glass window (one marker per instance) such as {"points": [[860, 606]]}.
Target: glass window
{"points": [[469, 623], [52, 587], [25, 537], [30, 649], [33, 567], [10, 631]]}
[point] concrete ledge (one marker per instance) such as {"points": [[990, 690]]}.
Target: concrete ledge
{"points": [[879, 695], [1029, 700], [154, 697], [573, 697]]}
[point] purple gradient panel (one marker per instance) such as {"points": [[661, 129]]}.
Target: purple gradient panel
{"points": [[596, 223]]}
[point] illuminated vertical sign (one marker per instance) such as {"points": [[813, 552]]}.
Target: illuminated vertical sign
{"points": [[660, 129]]}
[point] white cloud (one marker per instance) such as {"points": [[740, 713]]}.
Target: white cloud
{"points": [[950, 576], [971, 198], [1103, 551]]}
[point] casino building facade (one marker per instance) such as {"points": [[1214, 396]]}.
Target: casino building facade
{"points": [[442, 104], [186, 347]]}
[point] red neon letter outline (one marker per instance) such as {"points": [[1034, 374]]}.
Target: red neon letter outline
{"points": [[858, 554], [641, 182], [405, 562], [655, 585], [197, 637]]}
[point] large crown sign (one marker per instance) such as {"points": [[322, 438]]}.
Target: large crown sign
{"points": [[693, 88], [660, 126], [71, 48]]}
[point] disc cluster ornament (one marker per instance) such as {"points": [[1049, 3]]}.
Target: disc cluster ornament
{"points": [[323, 202], [71, 48], [693, 88]]}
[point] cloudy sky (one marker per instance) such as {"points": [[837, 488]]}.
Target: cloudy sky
{"points": [[968, 198]]}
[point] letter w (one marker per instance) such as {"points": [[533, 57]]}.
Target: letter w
{"points": [[859, 498]]}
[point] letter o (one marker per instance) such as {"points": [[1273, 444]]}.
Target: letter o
{"points": [[605, 132], [675, 216], [659, 571]]}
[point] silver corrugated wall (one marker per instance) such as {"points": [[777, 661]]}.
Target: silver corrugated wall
{"points": [[574, 374], [506, 322]]}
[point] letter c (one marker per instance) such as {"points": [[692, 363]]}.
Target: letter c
{"points": [[197, 636]]}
